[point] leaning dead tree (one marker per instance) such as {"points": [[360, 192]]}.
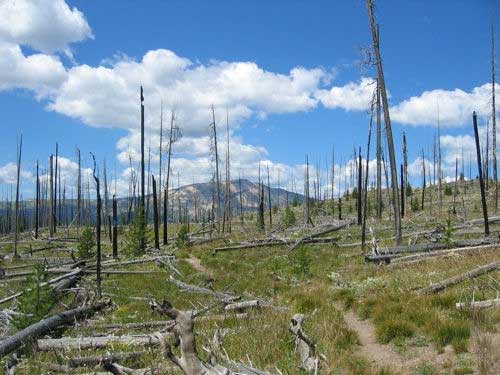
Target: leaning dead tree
{"points": [[387, 120], [213, 136], [480, 173]]}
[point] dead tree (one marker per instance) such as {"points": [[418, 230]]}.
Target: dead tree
{"points": [[402, 192], [269, 199], [98, 226], [51, 177], [379, 158], [55, 189], [143, 180], [106, 204], [160, 157], [365, 190], [360, 188], [37, 200], [423, 180], [493, 117], [79, 192], [309, 361], [16, 214], [115, 228], [387, 120], [155, 214], [307, 216], [480, 173], [213, 134], [171, 138]]}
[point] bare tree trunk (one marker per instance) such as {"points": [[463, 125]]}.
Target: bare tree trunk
{"points": [[155, 215], [405, 171], [307, 217], [165, 197], [402, 192], [365, 199], [269, 199], [37, 202], [16, 214], [379, 158], [387, 120], [51, 216], [143, 181], [480, 172], [214, 135], [493, 117], [360, 189], [98, 228], [423, 181], [55, 189], [115, 228], [79, 193]]}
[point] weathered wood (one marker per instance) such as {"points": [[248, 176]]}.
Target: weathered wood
{"points": [[82, 343], [201, 290], [476, 272], [320, 233], [46, 325], [398, 251], [478, 304], [480, 173], [99, 360], [306, 349]]}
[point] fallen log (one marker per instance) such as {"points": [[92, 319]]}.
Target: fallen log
{"points": [[99, 360], [439, 253], [319, 233], [476, 305], [69, 343], [273, 243], [47, 325], [201, 290], [398, 251], [476, 272]]}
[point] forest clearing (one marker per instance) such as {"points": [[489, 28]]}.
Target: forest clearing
{"points": [[358, 262]]}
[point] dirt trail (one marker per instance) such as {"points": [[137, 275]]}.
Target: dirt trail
{"points": [[383, 356], [196, 264]]}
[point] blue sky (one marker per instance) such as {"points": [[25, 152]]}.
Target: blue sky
{"points": [[82, 88]]}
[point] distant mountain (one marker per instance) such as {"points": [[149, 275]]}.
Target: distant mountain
{"points": [[202, 194], [199, 195]]}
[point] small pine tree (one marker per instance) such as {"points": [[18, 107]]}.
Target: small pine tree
{"points": [[409, 190], [136, 235], [86, 243], [288, 218], [182, 237], [36, 301], [447, 190]]}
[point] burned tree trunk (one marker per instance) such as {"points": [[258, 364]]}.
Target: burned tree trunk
{"points": [[365, 190], [402, 192], [480, 173], [269, 199], [37, 201], [115, 228], [16, 214], [143, 181], [423, 181], [98, 227], [379, 158], [358, 198], [51, 177], [155, 214], [55, 189], [387, 120], [493, 118]]}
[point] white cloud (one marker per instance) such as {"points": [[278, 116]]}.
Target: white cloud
{"points": [[40, 73], [44, 25], [353, 96], [455, 107], [8, 174]]}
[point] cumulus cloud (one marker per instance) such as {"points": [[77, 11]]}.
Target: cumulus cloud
{"points": [[40, 73], [44, 25], [8, 174], [455, 107], [353, 96]]}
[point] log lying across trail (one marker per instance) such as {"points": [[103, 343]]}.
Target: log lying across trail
{"points": [[476, 272], [398, 251], [47, 325]]}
